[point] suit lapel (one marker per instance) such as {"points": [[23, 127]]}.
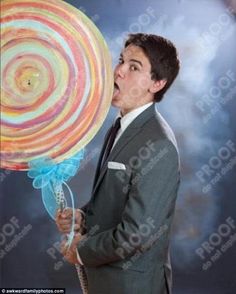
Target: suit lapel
{"points": [[128, 134], [123, 141]]}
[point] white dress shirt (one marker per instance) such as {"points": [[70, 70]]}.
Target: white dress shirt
{"points": [[127, 119]]}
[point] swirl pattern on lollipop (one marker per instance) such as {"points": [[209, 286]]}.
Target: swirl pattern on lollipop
{"points": [[56, 81]]}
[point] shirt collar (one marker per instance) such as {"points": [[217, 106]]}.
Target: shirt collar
{"points": [[130, 116]]}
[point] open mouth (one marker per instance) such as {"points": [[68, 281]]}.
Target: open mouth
{"points": [[116, 89]]}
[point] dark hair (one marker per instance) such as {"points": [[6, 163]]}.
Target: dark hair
{"points": [[162, 55]]}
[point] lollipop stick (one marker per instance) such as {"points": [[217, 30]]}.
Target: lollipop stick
{"points": [[61, 201]]}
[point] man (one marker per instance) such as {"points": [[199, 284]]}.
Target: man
{"points": [[128, 219]]}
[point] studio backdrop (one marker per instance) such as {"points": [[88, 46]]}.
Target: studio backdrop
{"points": [[200, 107]]}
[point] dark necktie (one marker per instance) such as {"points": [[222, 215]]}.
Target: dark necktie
{"points": [[112, 136], [106, 148]]}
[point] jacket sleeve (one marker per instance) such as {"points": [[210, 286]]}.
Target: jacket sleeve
{"points": [[151, 195]]}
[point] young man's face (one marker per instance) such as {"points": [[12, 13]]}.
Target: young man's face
{"points": [[133, 84]]}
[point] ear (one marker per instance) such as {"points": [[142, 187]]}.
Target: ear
{"points": [[157, 86]]}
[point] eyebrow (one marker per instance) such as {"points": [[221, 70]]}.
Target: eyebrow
{"points": [[133, 60]]}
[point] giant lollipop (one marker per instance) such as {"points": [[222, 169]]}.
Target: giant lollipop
{"points": [[56, 80], [56, 87]]}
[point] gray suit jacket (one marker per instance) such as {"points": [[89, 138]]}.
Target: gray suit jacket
{"points": [[131, 210]]}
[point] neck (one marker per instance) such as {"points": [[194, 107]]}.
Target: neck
{"points": [[123, 112]]}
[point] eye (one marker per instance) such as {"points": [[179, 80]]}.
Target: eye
{"points": [[121, 61], [133, 67]]}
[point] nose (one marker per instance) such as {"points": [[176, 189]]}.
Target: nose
{"points": [[120, 70]]}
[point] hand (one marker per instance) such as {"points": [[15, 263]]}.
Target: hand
{"points": [[70, 252], [64, 220]]}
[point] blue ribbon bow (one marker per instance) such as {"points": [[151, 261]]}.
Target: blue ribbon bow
{"points": [[50, 178]]}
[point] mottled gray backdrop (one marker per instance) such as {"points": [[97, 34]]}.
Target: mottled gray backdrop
{"points": [[201, 110]]}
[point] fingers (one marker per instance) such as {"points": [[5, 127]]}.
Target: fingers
{"points": [[67, 213], [78, 216], [64, 220], [69, 250], [77, 239], [77, 227], [63, 226]]}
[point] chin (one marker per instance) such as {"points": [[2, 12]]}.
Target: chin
{"points": [[115, 102]]}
